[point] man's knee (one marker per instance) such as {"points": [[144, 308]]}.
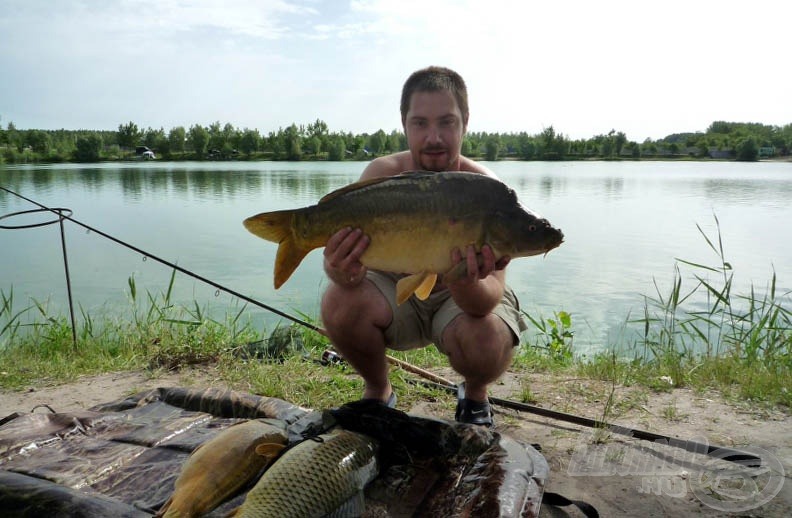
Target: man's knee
{"points": [[342, 307], [481, 333]]}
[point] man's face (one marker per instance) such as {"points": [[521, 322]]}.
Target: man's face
{"points": [[434, 127]]}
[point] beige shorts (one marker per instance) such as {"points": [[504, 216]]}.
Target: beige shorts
{"points": [[417, 323]]}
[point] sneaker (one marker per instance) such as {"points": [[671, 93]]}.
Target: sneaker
{"points": [[390, 403], [472, 412]]}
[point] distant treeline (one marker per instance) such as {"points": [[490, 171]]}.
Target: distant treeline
{"points": [[722, 140]]}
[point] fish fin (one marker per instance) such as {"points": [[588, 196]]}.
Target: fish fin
{"points": [[407, 175], [272, 226], [164, 507], [406, 286], [269, 449], [351, 508], [425, 289], [353, 187], [287, 260]]}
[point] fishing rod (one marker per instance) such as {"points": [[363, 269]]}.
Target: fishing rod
{"points": [[433, 380], [60, 212]]}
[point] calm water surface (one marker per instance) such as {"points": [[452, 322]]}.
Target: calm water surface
{"points": [[625, 223]]}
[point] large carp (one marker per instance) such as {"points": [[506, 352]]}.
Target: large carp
{"points": [[222, 466], [317, 477], [414, 221]]}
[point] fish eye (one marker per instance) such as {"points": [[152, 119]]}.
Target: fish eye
{"points": [[531, 228]]}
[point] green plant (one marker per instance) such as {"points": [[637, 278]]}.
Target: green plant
{"points": [[10, 321], [555, 334], [735, 340]]}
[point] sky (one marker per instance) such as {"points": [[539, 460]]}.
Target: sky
{"points": [[647, 68]]}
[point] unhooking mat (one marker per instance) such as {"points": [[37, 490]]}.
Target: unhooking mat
{"points": [[121, 459]]}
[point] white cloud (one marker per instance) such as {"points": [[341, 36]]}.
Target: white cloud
{"points": [[585, 67]]}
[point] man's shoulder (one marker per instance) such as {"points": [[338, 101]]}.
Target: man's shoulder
{"points": [[388, 165], [466, 164]]}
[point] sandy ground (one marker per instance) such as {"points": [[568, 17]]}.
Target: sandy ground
{"points": [[619, 475]]}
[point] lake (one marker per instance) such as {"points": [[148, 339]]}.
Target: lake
{"points": [[624, 222]]}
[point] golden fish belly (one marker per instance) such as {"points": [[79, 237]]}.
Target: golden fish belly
{"points": [[423, 246]]}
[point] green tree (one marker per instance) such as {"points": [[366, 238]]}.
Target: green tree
{"points": [[39, 141], [293, 142], [526, 147], [155, 139], [492, 148], [552, 146], [216, 136], [747, 150], [176, 137], [606, 148], [317, 129], [376, 142], [249, 142], [295, 150], [397, 141], [467, 147], [88, 148], [337, 149], [128, 135], [198, 140], [314, 145], [618, 142], [14, 138]]}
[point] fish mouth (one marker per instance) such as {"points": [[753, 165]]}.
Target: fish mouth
{"points": [[555, 242]]}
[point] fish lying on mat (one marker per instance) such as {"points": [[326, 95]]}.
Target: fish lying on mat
{"points": [[414, 220], [222, 466], [317, 477]]}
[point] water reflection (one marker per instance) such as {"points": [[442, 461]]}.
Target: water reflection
{"points": [[131, 184], [203, 182], [613, 186], [305, 187], [41, 179], [728, 190], [91, 179]]}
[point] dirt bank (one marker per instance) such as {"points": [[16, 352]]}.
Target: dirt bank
{"points": [[619, 475]]}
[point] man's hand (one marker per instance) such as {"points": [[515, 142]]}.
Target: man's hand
{"points": [[479, 265], [482, 288], [342, 255]]}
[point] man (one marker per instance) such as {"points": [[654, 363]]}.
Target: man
{"points": [[475, 321]]}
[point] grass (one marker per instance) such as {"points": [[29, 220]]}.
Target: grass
{"points": [[740, 345], [737, 344]]}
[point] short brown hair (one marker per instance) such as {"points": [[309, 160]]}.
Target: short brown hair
{"points": [[435, 79]]}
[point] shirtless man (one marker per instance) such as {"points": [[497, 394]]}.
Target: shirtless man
{"points": [[475, 321]]}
